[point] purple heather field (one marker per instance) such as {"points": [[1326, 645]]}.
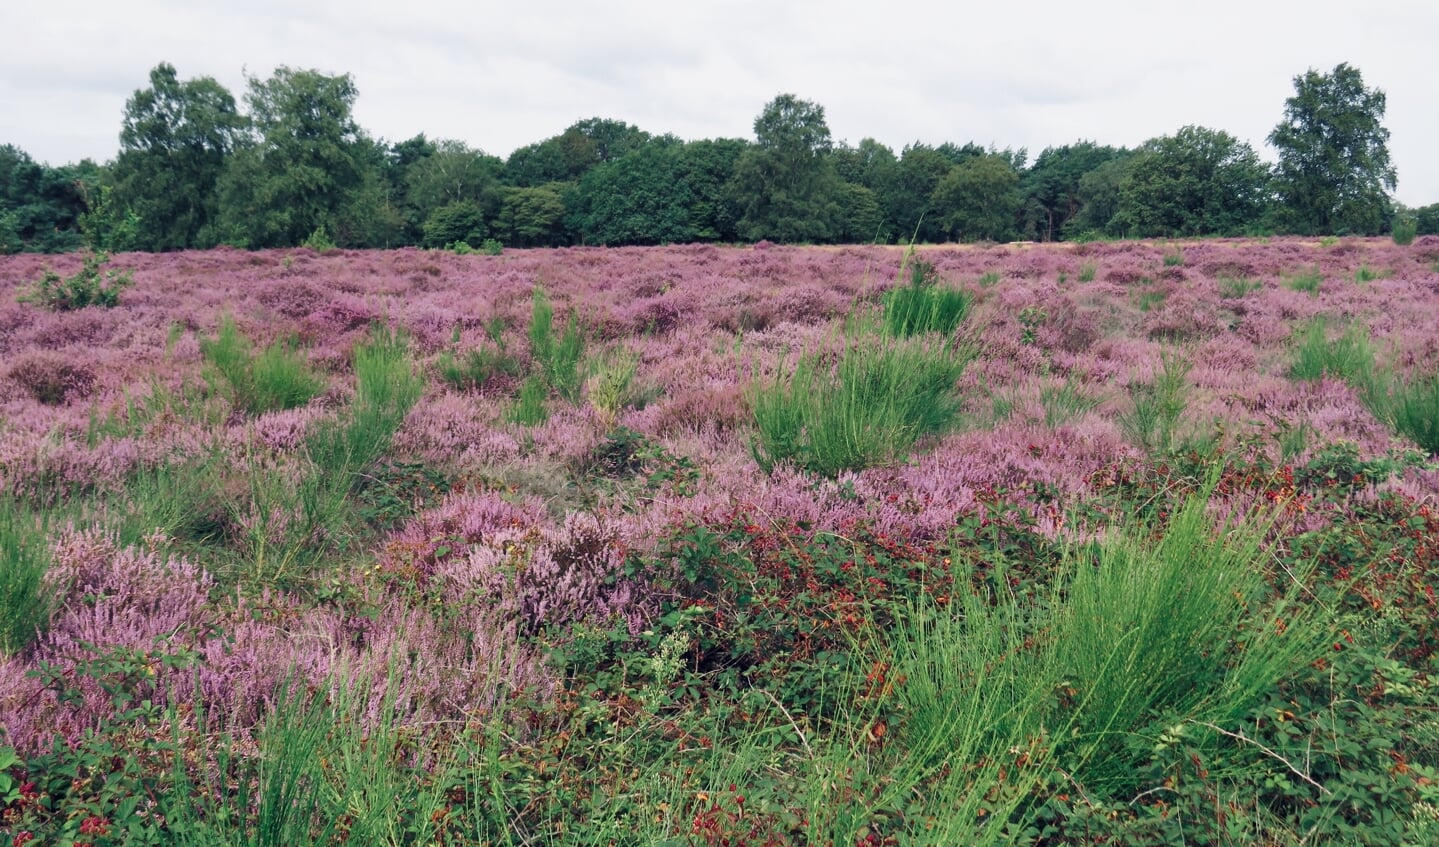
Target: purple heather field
{"points": [[703, 322]]}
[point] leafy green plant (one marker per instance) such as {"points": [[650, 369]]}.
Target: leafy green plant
{"points": [[278, 377], [89, 287], [1412, 406], [1031, 318], [491, 247], [1158, 405], [319, 240], [923, 305], [530, 408]]}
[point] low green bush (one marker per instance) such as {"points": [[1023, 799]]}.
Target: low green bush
{"points": [[276, 378], [89, 287]]}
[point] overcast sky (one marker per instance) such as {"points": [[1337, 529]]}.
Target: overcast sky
{"points": [[501, 75]]}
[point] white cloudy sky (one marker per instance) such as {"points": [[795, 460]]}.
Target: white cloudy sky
{"points": [[500, 75]]}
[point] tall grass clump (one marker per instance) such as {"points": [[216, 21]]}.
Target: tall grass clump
{"points": [[557, 357], [477, 366], [1349, 356], [278, 377], [289, 512], [868, 407], [1305, 281], [1174, 636], [1158, 405], [25, 604], [1412, 408], [923, 305]]}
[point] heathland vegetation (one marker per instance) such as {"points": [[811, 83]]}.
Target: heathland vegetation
{"points": [[1045, 544], [195, 169]]}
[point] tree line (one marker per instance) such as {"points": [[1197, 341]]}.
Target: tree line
{"points": [[292, 167]]}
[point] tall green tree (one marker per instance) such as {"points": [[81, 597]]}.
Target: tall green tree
{"points": [[910, 202], [785, 183], [978, 199], [1198, 181], [872, 166], [40, 206], [452, 175], [1051, 187], [175, 138], [1334, 172], [306, 168], [571, 154]]}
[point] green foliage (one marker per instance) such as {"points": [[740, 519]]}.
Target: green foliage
{"points": [[1051, 187], [40, 206], [1367, 274], [175, 139], [319, 240], [530, 406], [308, 166], [531, 217], [88, 287], [1412, 407], [1158, 405], [491, 247], [612, 388], [277, 377], [868, 408], [1334, 170], [786, 184], [1196, 182], [924, 306], [1174, 258], [1087, 272], [978, 199], [25, 600], [460, 222], [1066, 403]]}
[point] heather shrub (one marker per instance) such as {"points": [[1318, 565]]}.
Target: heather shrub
{"points": [[924, 306], [276, 378], [867, 408], [89, 287], [52, 379], [1157, 405]]}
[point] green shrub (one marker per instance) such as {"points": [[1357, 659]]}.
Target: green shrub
{"points": [[1065, 404], [1404, 230], [277, 378], [461, 222], [530, 408], [491, 247], [1174, 258], [611, 388], [319, 240], [89, 287], [1087, 272], [1367, 274]]}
